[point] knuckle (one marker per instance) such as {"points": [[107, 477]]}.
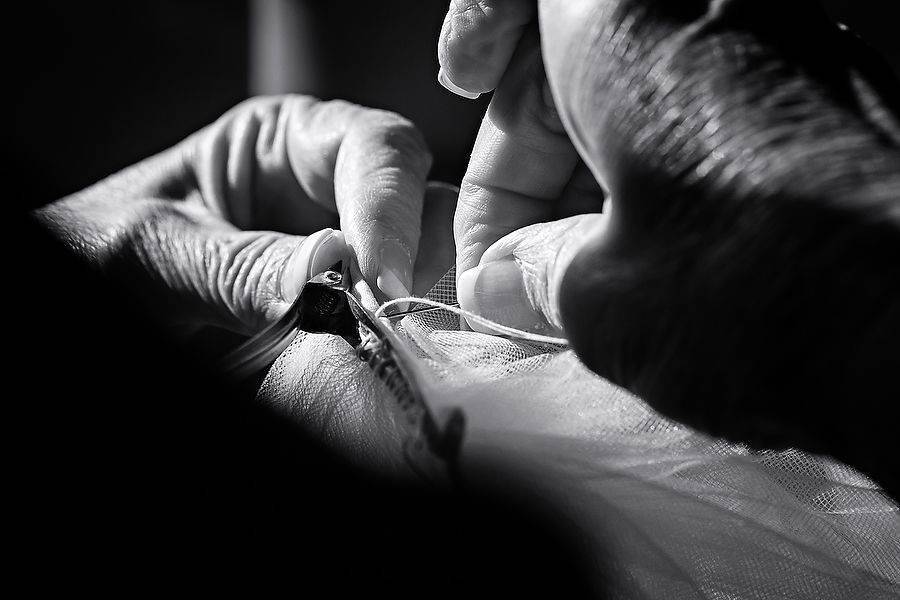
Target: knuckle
{"points": [[264, 108], [340, 107], [242, 274], [170, 255], [253, 105], [399, 135], [155, 239]]}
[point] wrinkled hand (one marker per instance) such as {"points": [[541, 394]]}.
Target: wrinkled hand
{"points": [[743, 273], [320, 383], [225, 227]]}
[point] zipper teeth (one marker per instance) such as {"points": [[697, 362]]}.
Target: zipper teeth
{"points": [[326, 304], [386, 369], [380, 357]]}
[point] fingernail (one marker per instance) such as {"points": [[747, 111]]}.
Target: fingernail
{"points": [[496, 291], [444, 80], [394, 277], [390, 285], [317, 253]]}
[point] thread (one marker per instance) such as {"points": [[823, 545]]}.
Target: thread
{"points": [[472, 317]]}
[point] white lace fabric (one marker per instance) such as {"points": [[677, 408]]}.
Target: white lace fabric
{"points": [[671, 513]]}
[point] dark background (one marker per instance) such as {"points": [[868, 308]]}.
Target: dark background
{"points": [[129, 467], [100, 85]]}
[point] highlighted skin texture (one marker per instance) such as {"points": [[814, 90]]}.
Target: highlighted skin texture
{"points": [[745, 279]]}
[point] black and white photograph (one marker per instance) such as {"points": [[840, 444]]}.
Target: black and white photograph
{"points": [[454, 299]]}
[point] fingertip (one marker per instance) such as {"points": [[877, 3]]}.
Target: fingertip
{"points": [[497, 291], [329, 252], [447, 83], [394, 276], [477, 40], [390, 284], [465, 295], [315, 254]]}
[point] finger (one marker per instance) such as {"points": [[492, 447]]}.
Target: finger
{"points": [[477, 40], [244, 164], [205, 272], [379, 181], [518, 281], [289, 163], [520, 164]]}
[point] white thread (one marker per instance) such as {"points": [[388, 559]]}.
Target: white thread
{"points": [[470, 316]]}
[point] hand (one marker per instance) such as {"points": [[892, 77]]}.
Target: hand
{"points": [[524, 168], [751, 235], [183, 228], [320, 384]]}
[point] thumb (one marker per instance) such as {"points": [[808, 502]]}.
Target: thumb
{"points": [[214, 274], [477, 41], [517, 283], [258, 285]]}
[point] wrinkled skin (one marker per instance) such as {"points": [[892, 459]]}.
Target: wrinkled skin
{"points": [[743, 277], [214, 230], [218, 231], [321, 384]]}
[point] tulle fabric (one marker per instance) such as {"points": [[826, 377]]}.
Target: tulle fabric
{"points": [[664, 511]]}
